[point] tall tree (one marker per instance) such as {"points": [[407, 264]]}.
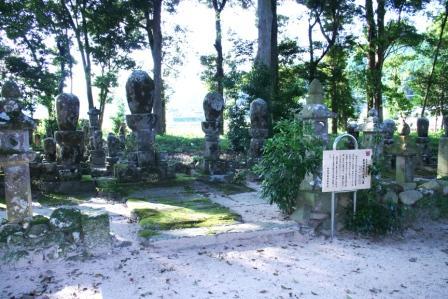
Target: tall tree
{"points": [[267, 49], [148, 16], [339, 92], [27, 25], [382, 36], [330, 16], [436, 56]]}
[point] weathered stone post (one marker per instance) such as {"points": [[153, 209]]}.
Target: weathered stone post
{"points": [[139, 90], [372, 131], [404, 171], [422, 142], [15, 153], [113, 150], [69, 141], [259, 130], [313, 206], [352, 129], [442, 159], [97, 154], [389, 129], [213, 106]]}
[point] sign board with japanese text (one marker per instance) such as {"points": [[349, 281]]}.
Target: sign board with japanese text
{"points": [[346, 170]]}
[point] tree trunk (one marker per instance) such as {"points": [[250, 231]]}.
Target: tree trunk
{"points": [[265, 19], [371, 38], [334, 105], [219, 76], [156, 51], [267, 52]]}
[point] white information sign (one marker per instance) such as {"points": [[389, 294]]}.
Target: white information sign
{"points": [[346, 170]]}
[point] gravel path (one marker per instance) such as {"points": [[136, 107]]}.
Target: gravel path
{"points": [[299, 267]]}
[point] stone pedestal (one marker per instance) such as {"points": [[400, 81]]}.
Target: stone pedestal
{"points": [[442, 158], [211, 150], [142, 125], [69, 147], [404, 172]]}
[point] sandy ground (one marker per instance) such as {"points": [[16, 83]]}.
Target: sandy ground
{"points": [[300, 267], [284, 266]]}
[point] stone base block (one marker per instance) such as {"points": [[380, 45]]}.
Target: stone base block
{"points": [[126, 173], [405, 168], [69, 147], [67, 187], [95, 228], [442, 159]]}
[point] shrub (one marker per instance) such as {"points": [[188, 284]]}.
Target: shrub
{"points": [[238, 134], [288, 156], [374, 218]]}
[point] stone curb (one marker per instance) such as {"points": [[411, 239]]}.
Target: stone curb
{"points": [[182, 243]]}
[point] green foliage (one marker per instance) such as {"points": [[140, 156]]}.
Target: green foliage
{"points": [[373, 217], [179, 144], [119, 118], [292, 153], [238, 133], [47, 127]]}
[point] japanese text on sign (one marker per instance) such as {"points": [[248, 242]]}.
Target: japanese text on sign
{"points": [[346, 170]]}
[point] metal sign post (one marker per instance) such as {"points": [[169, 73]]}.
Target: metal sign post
{"points": [[345, 171]]}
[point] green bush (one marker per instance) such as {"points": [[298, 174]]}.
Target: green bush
{"points": [[238, 134], [372, 216], [288, 156]]}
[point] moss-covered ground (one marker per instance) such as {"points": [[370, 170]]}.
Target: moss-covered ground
{"points": [[158, 214]]}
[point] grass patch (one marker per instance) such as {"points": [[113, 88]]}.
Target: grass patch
{"points": [[147, 233]]}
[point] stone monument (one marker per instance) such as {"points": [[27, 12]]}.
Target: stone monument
{"points": [[389, 129], [315, 112], [422, 142], [352, 129], [313, 206], [442, 159], [259, 130], [139, 90], [405, 156], [15, 153], [49, 149], [69, 141], [114, 150], [213, 106], [372, 131], [97, 153]]}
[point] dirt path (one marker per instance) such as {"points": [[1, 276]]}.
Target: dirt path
{"points": [[305, 267]]}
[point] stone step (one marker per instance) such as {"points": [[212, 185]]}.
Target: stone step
{"points": [[204, 237]]}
